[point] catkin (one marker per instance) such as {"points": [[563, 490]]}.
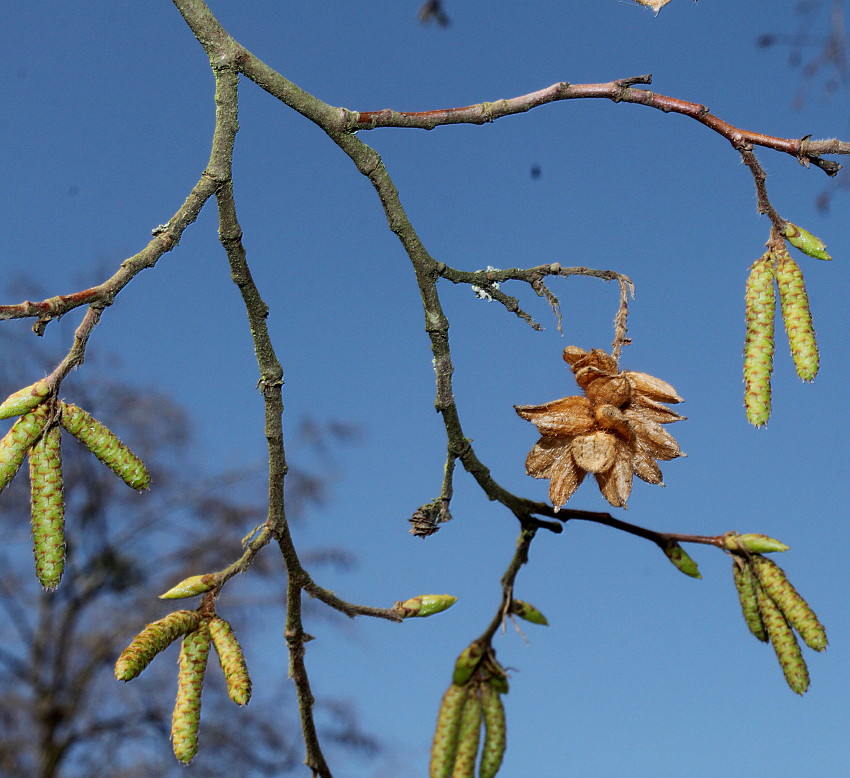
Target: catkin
{"points": [[232, 660], [760, 302], [784, 643], [797, 316], [495, 737], [190, 684], [746, 584], [469, 737], [444, 747], [798, 612], [155, 637], [47, 508], [106, 446], [17, 441]]}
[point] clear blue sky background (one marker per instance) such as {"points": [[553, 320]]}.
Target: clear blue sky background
{"points": [[105, 127]]}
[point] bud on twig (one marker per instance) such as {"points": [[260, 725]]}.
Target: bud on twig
{"points": [[805, 241], [528, 612], [467, 662], [24, 399], [681, 559], [426, 605], [755, 544], [190, 587]]}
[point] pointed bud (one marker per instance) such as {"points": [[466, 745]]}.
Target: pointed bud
{"points": [[755, 544], [495, 737], [24, 399], [106, 446], [426, 605], [680, 558], [190, 683], [47, 505], [467, 662], [189, 587], [528, 612], [805, 241], [151, 640], [17, 441]]}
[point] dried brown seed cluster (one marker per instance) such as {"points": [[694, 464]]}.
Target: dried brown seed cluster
{"points": [[613, 430]]}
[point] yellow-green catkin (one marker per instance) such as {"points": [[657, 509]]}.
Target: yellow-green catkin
{"points": [[232, 660], [760, 302], [24, 399], [746, 583], [444, 747], [797, 316], [784, 643], [48, 508], [155, 637], [798, 612], [106, 446], [495, 732], [469, 736], [17, 441], [190, 683]]}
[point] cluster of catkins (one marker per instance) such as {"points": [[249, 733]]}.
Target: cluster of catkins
{"points": [[37, 433], [772, 607], [614, 430], [198, 633]]}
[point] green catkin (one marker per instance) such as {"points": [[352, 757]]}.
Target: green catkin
{"points": [[190, 684], [232, 660], [797, 316], [155, 637], [760, 302], [746, 584], [469, 736], [106, 446], [17, 441], [495, 737], [777, 586], [784, 644], [47, 508], [444, 747]]}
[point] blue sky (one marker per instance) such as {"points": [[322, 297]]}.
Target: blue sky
{"points": [[643, 672]]}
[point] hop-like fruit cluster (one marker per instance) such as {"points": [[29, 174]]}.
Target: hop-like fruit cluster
{"points": [[773, 609], [614, 430]]}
